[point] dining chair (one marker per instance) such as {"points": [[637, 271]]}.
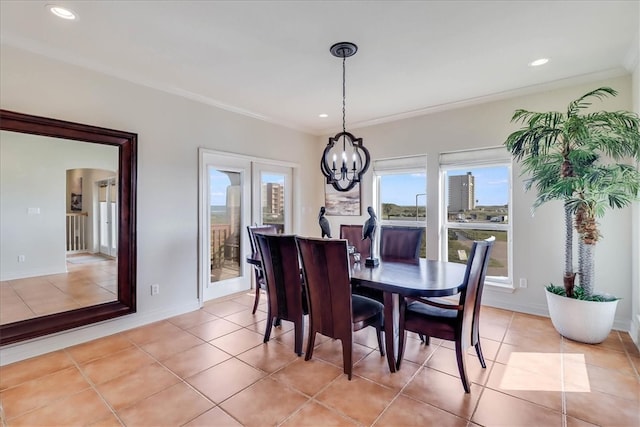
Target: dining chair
{"points": [[333, 310], [287, 298], [353, 234], [399, 243], [260, 283], [450, 321]]}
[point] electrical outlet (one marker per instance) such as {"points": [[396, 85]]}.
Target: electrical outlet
{"points": [[523, 283], [22, 258], [155, 289]]}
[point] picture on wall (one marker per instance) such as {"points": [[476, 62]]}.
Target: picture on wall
{"points": [[342, 203]]}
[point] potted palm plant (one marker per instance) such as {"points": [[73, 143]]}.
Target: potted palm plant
{"points": [[578, 157]]}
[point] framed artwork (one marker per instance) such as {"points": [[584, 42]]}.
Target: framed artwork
{"points": [[342, 203], [76, 195]]}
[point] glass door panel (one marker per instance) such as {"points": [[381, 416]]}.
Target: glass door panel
{"points": [[272, 198], [107, 221], [225, 200], [224, 213]]}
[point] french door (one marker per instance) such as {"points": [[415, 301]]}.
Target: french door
{"points": [[225, 195], [236, 191], [107, 213]]}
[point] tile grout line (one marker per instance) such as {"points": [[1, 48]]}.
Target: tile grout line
{"points": [[93, 385]]}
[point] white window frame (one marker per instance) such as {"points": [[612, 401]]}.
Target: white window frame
{"points": [[477, 158], [397, 166]]}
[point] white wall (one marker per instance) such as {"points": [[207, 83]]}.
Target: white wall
{"points": [[635, 229], [170, 129], [34, 176], [538, 250]]}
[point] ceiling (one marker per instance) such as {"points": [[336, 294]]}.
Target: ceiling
{"points": [[271, 60]]}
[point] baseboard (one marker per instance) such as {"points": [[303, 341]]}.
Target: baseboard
{"points": [[635, 330], [31, 273], [38, 346], [542, 310]]}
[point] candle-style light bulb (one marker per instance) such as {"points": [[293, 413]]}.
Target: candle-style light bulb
{"points": [[334, 162], [354, 162], [344, 160]]}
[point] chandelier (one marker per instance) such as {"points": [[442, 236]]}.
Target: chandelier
{"points": [[344, 168]]}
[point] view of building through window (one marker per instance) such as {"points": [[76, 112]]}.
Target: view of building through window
{"points": [[272, 200], [477, 208]]}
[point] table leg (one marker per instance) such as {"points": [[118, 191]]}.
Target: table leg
{"points": [[391, 330]]}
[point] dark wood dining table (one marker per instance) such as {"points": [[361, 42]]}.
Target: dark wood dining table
{"points": [[396, 280]]}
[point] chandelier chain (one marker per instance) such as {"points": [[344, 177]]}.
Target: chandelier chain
{"points": [[344, 86]]}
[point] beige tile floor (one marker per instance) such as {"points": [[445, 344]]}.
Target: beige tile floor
{"points": [[210, 368], [85, 283]]}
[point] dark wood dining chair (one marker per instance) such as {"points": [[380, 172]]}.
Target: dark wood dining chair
{"points": [[333, 310], [452, 322], [353, 234], [259, 274], [400, 244], [287, 299]]}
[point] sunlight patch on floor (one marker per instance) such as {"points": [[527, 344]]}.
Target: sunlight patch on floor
{"points": [[546, 372]]}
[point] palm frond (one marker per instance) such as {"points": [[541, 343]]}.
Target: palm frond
{"points": [[583, 102]]}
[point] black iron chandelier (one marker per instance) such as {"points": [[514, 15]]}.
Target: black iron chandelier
{"points": [[344, 168]]}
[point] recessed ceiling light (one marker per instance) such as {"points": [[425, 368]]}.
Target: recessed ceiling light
{"points": [[539, 62], [323, 115], [62, 12]]}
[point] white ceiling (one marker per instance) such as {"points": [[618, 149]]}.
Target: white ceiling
{"points": [[270, 59]]}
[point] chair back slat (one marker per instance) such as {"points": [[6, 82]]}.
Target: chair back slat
{"points": [[353, 234], [282, 274], [264, 229], [400, 243], [325, 265], [471, 295]]}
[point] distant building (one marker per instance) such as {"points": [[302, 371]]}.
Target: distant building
{"points": [[273, 197], [462, 193]]}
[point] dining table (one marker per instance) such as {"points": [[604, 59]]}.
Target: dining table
{"points": [[423, 278]]}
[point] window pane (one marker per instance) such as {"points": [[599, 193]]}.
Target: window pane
{"points": [[459, 245], [272, 200], [479, 195], [224, 212], [403, 197]]}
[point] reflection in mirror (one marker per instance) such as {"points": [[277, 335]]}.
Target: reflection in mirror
{"points": [[58, 254], [67, 214]]}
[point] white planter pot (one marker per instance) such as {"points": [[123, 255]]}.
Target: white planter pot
{"points": [[585, 321]]}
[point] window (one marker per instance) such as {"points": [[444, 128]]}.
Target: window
{"points": [[402, 192], [476, 204]]}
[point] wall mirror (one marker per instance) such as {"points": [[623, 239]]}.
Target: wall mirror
{"points": [[68, 199]]}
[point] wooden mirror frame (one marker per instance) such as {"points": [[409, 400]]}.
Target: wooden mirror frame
{"points": [[126, 270]]}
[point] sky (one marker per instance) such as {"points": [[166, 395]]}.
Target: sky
{"points": [[218, 183], [492, 186]]}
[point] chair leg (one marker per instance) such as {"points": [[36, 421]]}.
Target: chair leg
{"points": [[402, 341], [310, 343], [256, 301], [460, 356], [479, 353], [267, 329], [347, 352], [298, 327], [424, 338], [402, 333], [379, 331]]}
